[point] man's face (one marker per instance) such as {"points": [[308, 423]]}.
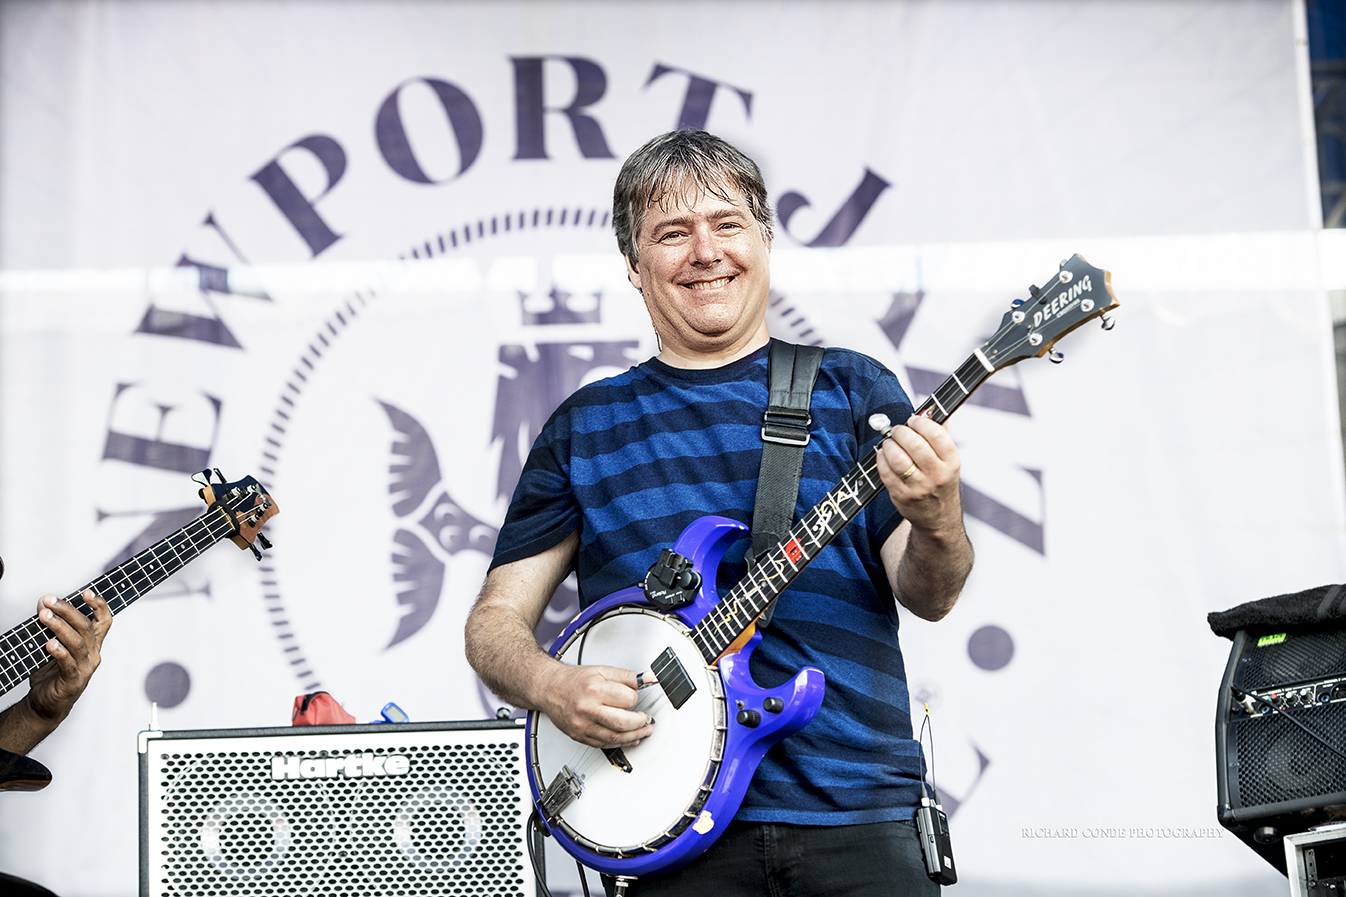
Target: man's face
{"points": [[704, 273]]}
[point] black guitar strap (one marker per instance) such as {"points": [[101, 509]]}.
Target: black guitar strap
{"points": [[791, 373]]}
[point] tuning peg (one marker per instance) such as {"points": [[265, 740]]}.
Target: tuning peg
{"points": [[879, 422], [1015, 303], [1034, 291], [1061, 264], [1055, 357], [1109, 322]]}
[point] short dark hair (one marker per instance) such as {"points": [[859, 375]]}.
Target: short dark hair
{"points": [[661, 168]]}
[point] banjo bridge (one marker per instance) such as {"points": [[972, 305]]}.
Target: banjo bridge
{"points": [[617, 758], [563, 789]]}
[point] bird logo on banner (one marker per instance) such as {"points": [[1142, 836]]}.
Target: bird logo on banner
{"points": [[428, 516]]}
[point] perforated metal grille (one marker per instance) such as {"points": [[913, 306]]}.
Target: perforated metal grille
{"points": [[1300, 658], [1278, 761], [452, 824]]}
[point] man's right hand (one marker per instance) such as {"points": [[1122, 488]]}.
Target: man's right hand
{"points": [[591, 704]]}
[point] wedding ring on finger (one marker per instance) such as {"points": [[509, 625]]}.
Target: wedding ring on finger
{"points": [[906, 474]]}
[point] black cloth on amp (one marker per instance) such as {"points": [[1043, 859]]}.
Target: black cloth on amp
{"points": [[1323, 607]]}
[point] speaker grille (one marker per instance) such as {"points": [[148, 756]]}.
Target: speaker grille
{"points": [[1278, 761], [1299, 658], [440, 814]]}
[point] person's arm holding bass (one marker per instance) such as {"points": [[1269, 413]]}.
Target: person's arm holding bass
{"points": [[75, 648]]}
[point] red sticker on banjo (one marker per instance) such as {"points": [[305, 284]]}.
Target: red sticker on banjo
{"points": [[793, 551]]}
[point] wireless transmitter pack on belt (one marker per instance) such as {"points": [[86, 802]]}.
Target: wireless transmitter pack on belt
{"points": [[935, 844], [933, 825]]}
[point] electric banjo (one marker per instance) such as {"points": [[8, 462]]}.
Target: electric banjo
{"points": [[656, 806], [235, 511]]}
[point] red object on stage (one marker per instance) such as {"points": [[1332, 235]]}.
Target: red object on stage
{"points": [[319, 709]]}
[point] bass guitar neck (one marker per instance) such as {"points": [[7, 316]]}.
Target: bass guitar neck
{"points": [[234, 511]]}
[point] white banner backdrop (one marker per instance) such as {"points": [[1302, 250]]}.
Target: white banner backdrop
{"points": [[360, 250]]}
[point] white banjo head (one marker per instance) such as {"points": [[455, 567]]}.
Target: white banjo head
{"points": [[620, 811]]}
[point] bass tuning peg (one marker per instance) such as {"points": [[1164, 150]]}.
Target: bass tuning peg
{"points": [[1055, 357], [879, 422]]}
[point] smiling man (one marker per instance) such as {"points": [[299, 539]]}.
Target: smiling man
{"points": [[701, 259], [626, 463]]}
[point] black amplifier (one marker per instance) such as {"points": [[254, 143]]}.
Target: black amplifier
{"points": [[1280, 737]]}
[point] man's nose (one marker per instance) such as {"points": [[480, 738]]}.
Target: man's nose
{"points": [[705, 246]]}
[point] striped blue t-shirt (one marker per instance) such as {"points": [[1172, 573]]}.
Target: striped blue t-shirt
{"points": [[631, 460]]}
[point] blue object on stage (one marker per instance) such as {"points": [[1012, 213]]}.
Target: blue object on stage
{"points": [[391, 713]]}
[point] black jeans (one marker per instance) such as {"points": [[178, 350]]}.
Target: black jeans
{"points": [[750, 859]]}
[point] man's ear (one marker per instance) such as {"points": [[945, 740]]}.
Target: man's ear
{"points": [[632, 274]]}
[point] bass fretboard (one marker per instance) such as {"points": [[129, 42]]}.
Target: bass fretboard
{"points": [[23, 648]]}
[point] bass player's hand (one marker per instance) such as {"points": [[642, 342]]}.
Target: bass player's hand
{"points": [[75, 650]]}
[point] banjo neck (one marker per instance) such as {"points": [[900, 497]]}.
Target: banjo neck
{"points": [[1078, 293]]}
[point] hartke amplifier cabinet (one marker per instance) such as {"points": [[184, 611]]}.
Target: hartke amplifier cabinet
{"points": [[395, 809]]}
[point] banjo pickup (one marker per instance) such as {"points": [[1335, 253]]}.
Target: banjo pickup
{"points": [[673, 679], [563, 789]]}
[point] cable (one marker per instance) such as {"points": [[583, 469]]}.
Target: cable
{"points": [[931, 823], [920, 740], [1240, 694], [538, 871]]}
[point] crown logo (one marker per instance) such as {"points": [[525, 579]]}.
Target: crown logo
{"points": [[560, 307]]}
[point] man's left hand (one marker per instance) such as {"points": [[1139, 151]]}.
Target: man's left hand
{"points": [[74, 647], [919, 465]]}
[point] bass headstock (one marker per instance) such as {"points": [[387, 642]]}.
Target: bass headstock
{"points": [[246, 505], [1077, 293]]}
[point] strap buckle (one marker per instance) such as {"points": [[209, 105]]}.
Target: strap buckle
{"points": [[786, 427]]}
